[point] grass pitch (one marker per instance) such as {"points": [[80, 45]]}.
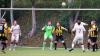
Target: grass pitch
{"points": [[47, 52]]}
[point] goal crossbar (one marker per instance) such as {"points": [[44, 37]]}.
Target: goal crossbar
{"points": [[46, 9]]}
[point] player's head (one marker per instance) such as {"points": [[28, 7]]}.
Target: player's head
{"points": [[49, 22], [78, 21], [93, 22], [15, 22], [58, 24]]}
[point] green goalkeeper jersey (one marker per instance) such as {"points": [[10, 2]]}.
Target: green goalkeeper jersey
{"points": [[48, 29]]}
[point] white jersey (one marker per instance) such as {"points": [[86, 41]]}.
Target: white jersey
{"points": [[15, 29], [79, 29]]}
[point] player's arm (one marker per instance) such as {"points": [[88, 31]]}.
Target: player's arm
{"points": [[11, 29], [97, 31], [94, 28], [64, 29], [5, 25], [53, 31], [19, 31], [84, 23], [43, 28], [73, 31]]}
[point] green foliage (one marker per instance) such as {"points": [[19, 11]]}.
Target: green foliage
{"points": [[64, 18], [75, 4], [90, 3], [48, 3], [4, 3], [23, 3]]}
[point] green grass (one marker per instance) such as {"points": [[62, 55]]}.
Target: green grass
{"points": [[47, 52]]}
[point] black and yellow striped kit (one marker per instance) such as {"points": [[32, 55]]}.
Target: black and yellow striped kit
{"points": [[3, 29], [93, 31], [58, 30]]}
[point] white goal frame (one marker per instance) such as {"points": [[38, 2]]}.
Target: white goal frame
{"points": [[47, 9]]}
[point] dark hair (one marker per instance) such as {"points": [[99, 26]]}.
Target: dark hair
{"points": [[14, 20], [57, 22]]}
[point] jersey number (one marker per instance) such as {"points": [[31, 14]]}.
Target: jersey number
{"points": [[79, 30]]}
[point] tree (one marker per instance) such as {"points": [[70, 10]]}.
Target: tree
{"points": [[72, 18], [4, 3], [22, 3], [31, 33]]}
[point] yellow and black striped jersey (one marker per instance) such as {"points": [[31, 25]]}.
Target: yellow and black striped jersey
{"points": [[58, 30], [4, 29], [93, 31]]}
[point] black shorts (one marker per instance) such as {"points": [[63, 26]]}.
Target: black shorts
{"points": [[89, 37], [93, 39], [59, 38], [3, 38]]}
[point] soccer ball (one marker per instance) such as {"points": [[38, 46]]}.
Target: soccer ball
{"points": [[63, 4]]}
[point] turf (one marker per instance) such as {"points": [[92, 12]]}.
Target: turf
{"points": [[47, 52]]}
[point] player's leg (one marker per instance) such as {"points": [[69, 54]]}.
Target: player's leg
{"points": [[4, 45], [16, 41], [44, 41], [94, 43], [63, 42], [12, 42], [82, 44], [73, 43], [56, 41], [51, 41], [88, 43], [93, 47], [0, 41]]}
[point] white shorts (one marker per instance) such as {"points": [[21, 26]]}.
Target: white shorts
{"points": [[78, 39], [15, 37]]}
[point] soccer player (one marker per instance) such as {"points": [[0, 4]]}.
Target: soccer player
{"points": [[58, 31], [79, 35], [48, 34], [16, 32], [3, 38], [89, 38], [93, 34]]}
